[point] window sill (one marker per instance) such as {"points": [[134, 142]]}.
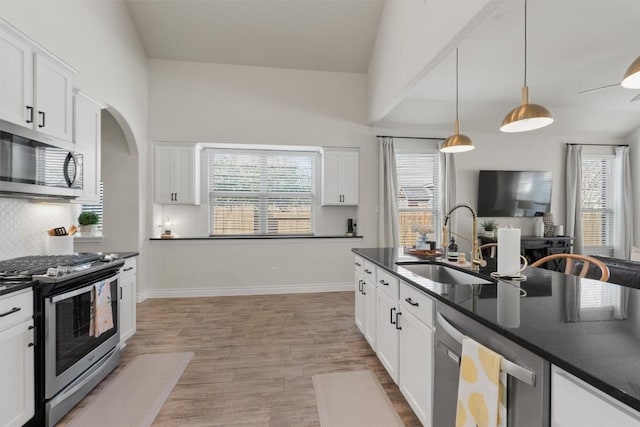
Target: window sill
{"points": [[96, 238], [257, 238]]}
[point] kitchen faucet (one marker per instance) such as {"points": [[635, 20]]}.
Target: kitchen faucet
{"points": [[476, 259]]}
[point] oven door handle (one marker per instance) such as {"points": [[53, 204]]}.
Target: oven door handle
{"points": [[84, 289]]}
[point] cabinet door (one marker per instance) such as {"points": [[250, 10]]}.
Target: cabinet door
{"points": [[185, 176], [17, 384], [16, 80], [350, 177], [127, 306], [162, 174], [388, 338], [359, 302], [370, 321], [416, 366], [53, 98], [331, 178], [87, 139], [577, 404]]}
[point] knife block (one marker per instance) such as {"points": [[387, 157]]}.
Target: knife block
{"points": [[59, 245]]}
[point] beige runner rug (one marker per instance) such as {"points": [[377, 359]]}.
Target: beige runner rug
{"points": [[136, 394], [353, 399]]}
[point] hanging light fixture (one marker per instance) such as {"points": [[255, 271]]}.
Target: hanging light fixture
{"points": [[457, 143], [631, 78], [526, 116]]}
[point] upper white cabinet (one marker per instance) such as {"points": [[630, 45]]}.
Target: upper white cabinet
{"points": [[575, 403], [35, 86], [87, 138], [340, 176], [176, 174]]}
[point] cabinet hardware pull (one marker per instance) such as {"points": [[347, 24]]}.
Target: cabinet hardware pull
{"points": [[176, 196], [358, 264], [367, 271], [128, 269], [391, 313], [410, 301], [363, 285], [30, 327], [30, 344], [398, 327], [384, 283], [30, 109], [360, 286], [13, 310], [41, 113]]}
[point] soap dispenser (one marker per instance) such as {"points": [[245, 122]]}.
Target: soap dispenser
{"points": [[452, 251], [539, 228]]}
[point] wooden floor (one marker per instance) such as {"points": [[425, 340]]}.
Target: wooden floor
{"points": [[254, 357]]}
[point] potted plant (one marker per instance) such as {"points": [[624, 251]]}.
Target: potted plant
{"points": [[490, 226], [88, 222]]}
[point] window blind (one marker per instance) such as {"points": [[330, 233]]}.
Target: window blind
{"points": [[418, 188], [97, 208], [598, 204], [261, 192]]}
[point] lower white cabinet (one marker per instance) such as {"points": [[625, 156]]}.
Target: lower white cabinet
{"points": [[369, 291], [16, 358], [416, 364], [359, 301], [575, 403], [128, 291], [388, 335]]}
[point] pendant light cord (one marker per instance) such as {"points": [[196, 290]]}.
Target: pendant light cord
{"points": [[525, 42], [456, 83]]}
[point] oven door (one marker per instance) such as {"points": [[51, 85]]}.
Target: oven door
{"points": [[71, 344]]}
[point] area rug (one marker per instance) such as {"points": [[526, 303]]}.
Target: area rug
{"points": [[136, 394], [353, 399]]}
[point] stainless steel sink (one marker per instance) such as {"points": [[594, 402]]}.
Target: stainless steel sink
{"points": [[441, 274]]}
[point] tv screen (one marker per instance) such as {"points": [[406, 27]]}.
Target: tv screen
{"points": [[514, 193]]}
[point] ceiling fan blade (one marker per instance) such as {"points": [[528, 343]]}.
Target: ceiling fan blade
{"points": [[598, 88], [635, 98]]}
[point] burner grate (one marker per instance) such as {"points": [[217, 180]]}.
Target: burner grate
{"points": [[27, 266]]}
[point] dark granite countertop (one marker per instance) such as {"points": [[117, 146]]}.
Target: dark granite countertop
{"points": [[586, 327], [126, 254]]}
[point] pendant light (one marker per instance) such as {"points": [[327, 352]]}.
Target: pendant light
{"points": [[457, 143], [631, 78], [526, 116]]}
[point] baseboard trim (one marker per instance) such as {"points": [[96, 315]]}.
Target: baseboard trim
{"points": [[247, 290]]}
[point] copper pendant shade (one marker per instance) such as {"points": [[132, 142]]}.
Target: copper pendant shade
{"points": [[631, 78], [526, 116], [457, 143]]}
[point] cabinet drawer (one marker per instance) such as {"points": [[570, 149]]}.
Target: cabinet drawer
{"points": [[358, 264], [388, 283], [417, 303], [16, 308], [369, 270]]}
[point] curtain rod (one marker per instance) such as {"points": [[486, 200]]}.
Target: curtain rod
{"points": [[600, 145], [407, 137]]}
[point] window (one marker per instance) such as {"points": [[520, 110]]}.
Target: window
{"points": [[597, 204], [95, 207], [261, 192], [418, 202]]}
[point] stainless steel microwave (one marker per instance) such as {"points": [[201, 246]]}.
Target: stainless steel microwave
{"points": [[35, 165]]}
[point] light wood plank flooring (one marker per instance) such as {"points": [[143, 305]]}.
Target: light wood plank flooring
{"points": [[254, 357]]}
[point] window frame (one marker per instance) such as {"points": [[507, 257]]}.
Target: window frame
{"points": [[608, 209]]}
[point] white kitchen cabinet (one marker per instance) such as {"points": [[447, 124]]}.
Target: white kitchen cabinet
{"points": [[35, 86], [359, 299], [388, 335], [575, 403], [176, 174], [16, 358], [365, 300], [340, 176], [369, 291], [87, 114], [128, 292], [416, 351]]}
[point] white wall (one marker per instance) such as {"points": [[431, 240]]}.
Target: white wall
{"points": [[633, 139], [253, 105], [413, 37]]}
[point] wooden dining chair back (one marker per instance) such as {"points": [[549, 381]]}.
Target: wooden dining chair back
{"points": [[491, 248], [570, 264]]}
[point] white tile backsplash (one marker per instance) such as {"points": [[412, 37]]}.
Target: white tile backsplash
{"points": [[24, 225]]}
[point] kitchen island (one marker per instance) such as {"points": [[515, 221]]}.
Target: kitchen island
{"points": [[588, 328]]}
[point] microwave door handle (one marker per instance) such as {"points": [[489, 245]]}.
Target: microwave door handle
{"points": [[67, 161]]}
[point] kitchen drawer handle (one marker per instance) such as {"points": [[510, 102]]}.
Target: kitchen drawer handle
{"points": [[363, 285], [30, 344], [41, 113], [30, 109], [13, 310], [391, 313], [367, 271], [398, 327], [410, 301], [358, 264], [384, 283], [360, 286], [128, 269]]}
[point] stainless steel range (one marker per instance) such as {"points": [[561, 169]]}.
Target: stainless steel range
{"points": [[72, 356]]}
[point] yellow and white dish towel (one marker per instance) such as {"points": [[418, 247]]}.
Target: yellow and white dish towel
{"points": [[102, 319], [482, 388]]}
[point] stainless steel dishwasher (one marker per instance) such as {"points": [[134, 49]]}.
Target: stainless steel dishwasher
{"points": [[528, 388]]}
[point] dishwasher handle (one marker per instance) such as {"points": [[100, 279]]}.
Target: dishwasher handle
{"points": [[516, 371]]}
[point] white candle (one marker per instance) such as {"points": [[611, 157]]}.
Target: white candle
{"points": [[508, 251]]}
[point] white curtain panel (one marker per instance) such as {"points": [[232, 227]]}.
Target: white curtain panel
{"points": [[623, 214], [573, 181], [447, 187], [389, 221]]}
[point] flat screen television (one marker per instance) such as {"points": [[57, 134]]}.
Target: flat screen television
{"points": [[513, 193]]}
